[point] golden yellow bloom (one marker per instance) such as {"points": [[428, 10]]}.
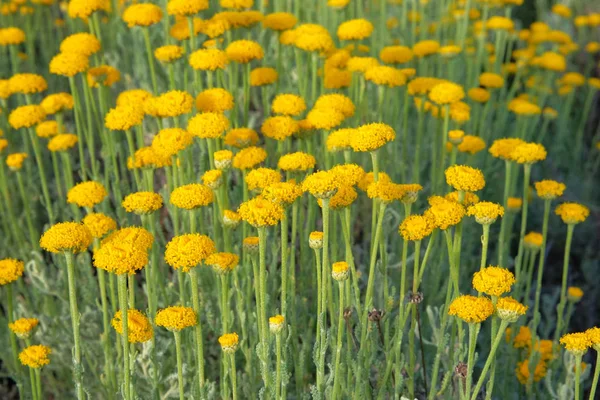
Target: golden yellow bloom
{"points": [[257, 179], [348, 174], [229, 342], [11, 36], [355, 29], [171, 104], [386, 192], [3, 144], [186, 7], [446, 93], [361, 64], [371, 137], [187, 251], [69, 64], [369, 178], [279, 127], [522, 371], [244, 51], [490, 80], [297, 161], [80, 43], [259, 212], [549, 189], [208, 59], [223, 263], [509, 309], [396, 54], [574, 294], [321, 118], [486, 212], [66, 237], [263, 76], [471, 309], [23, 327], [416, 227], [120, 257], [15, 161], [312, 37], [213, 178], [339, 271], [84, 8], [249, 158], [522, 339], [336, 78], [288, 104], [239, 19], [279, 21], [315, 240], [276, 323], [191, 196], [320, 184], [143, 14], [528, 153], [480, 95], [231, 219], [493, 281], [533, 240], [26, 116], [471, 144], [124, 117], [425, 48], [223, 159], [133, 97], [523, 107], [10, 270], [62, 142], [339, 140], [514, 204], [170, 141], [214, 100], [250, 244], [208, 125], [337, 102], [284, 193], [572, 213], [46, 129], [552, 61], [465, 178], [456, 136], [445, 213], [344, 196], [99, 224], [384, 75], [27, 83], [87, 194], [138, 237], [562, 10], [5, 91], [169, 53], [503, 148], [35, 356], [176, 318], [142, 203], [576, 343], [139, 329]]}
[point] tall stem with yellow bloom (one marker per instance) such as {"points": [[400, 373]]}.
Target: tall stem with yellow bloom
{"points": [[149, 54]]}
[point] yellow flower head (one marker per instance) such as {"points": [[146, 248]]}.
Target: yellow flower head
{"points": [[528, 153], [279, 21], [229, 342], [420, 86], [23, 327], [385, 76], [170, 104], [46, 129], [479, 95], [572, 213], [549, 189], [170, 141], [465, 178], [339, 140], [15, 161], [35, 356], [186, 251], [369, 178], [143, 14], [223, 159], [133, 97], [445, 213], [471, 309], [284, 193], [260, 212], [208, 125], [223, 263], [486, 212], [514, 204], [259, 178], [99, 224], [493, 281], [142, 203], [120, 257], [396, 54], [326, 119], [337, 102], [371, 137], [251, 244], [11, 35], [66, 237], [280, 127], [213, 178], [320, 184], [315, 240], [509, 309], [216, 100], [276, 323], [576, 343], [263, 76], [503, 148], [533, 240], [343, 197], [425, 48], [169, 53], [244, 51], [26, 116], [297, 161], [446, 93], [340, 271], [574, 294], [288, 104], [57, 102], [231, 219], [361, 64], [27, 83], [138, 237], [311, 37], [490, 80], [523, 107], [523, 372], [124, 117], [348, 174], [62, 142], [416, 227], [84, 8], [471, 144], [249, 158], [69, 64], [139, 329], [522, 339], [386, 192], [191, 196], [355, 29], [10, 270], [186, 7], [208, 59], [80, 43], [176, 318], [87, 194]]}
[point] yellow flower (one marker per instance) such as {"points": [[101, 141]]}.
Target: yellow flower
{"points": [[104, 75], [244, 51], [138, 237], [574, 294], [371, 137], [486, 212], [250, 244], [99, 224], [503, 148], [133, 97], [186, 7], [471, 309], [231, 219], [191, 196], [576, 343], [339, 140], [321, 118], [11, 36], [288, 104], [142, 202], [533, 240], [187, 251], [170, 141], [348, 174], [465, 178], [27, 83], [528, 153], [320, 184], [522, 339], [46, 129], [523, 107], [509, 309], [343, 197], [249, 158], [23, 327], [223, 263], [549, 189], [66, 237], [553, 61], [139, 329], [62, 142], [259, 212], [425, 48], [257, 179], [336, 78], [10, 270], [297, 161], [369, 178], [279, 127], [35, 356], [208, 59], [213, 178], [69, 64], [284, 193], [279, 21], [143, 14], [416, 227], [446, 93], [276, 323], [480, 95], [208, 125], [26, 116], [263, 76], [170, 104], [84, 8], [315, 240], [124, 117], [214, 100], [176, 318], [523, 372], [562, 10], [312, 37], [337, 102], [471, 144], [456, 136], [493, 281], [490, 80], [572, 213], [361, 64], [396, 54], [214, 28], [229, 342], [222, 159], [514, 204], [15, 161], [80, 43], [384, 75], [87, 194], [386, 192], [355, 29], [445, 213], [169, 53], [339, 271], [120, 257]]}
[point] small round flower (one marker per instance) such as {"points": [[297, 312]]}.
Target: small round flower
{"points": [[142, 203], [15, 161], [257, 179], [10, 270], [191, 196], [549, 189], [231, 219], [87, 194], [339, 140], [251, 244], [229, 342], [471, 309], [490, 80], [514, 204], [509, 309], [574, 294], [339, 271], [279, 127], [465, 178], [343, 197], [263, 76], [276, 323], [385, 76], [186, 7], [214, 100], [425, 48], [297, 161], [80, 43], [446, 93], [84, 8], [320, 184], [57, 102], [187, 251], [140, 238], [355, 29], [26, 116], [133, 97], [572, 213], [528, 153], [244, 51], [170, 141], [479, 95], [11, 36], [523, 371], [208, 125], [35, 356], [23, 327], [171, 104], [223, 263], [348, 174], [456, 136], [361, 64], [46, 129], [69, 64], [321, 118], [62, 142], [410, 192], [139, 329], [260, 213], [371, 137], [522, 339], [249, 158], [493, 281], [142, 14], [369, 178], [223, 159], [416, 227], [533, 240], [471, 144], [213, 178], [208, 59], [336, 101], [310, 37], [396, 54], [486, 212], [176, 318], [576, 343], [27, 83], [99, 224], [66, 237], [288, 104], [503, 148], [241, 137], [315, 240], [120, 257], [445, 213], [169, 53], [124, 117], [3, 145], [385, 192], [284, 193], [279, 21]]}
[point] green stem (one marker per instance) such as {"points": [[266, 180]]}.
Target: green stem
{"points": [[122, 289], [563, 289], [262, 248], [577, 375], [233, 375], [596, 375], [42, 171], [491, 355], [33, 384], [198, 328], [484, 245], [27, 208], [519, 259], [473, 331], [149, 53], [338, 350], [278, 366], [177, 335], [284, 272], [77, 367], [502, 236]]}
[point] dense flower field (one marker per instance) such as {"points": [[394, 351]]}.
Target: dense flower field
{"points": [[327, 199]]}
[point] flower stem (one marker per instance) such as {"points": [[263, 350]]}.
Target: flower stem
{"points": [[233, 375], [262, 250], [596, 375], [33, 385], [563, 290], [122, 289], [484, 245], [502, 236], [149, 53], [577, 375], [278, 366], [177, 335], [284, 272], [519, 259], [42, 171], [198, 327], [77, 367], [473, 331], [491, 355], [338, 350]]}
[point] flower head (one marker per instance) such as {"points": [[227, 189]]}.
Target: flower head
{"points": [[279, 127], [120, 257], [337, 102], [170, 141], [340, 271], [284, 193], [139, 329], [11, 36], [191, 196], [168, 53], [384, 191], [62, 142], [320, 184], [87, 194], [533, 240], [176, 318], [142, 203], [446, 93], [249, 158], [549, 189], [279, 21], [572, 213], [99, 224], [46, 129], [471, 309], [186, 7], [35, 356], [26, 116], [244, 51], [80, 43], [84, 8], [523, 371], [229, 342], [416, 227], [445, 213], [66, 237], [385, 76], [10, 270], [371, 137], [509, 309], [143, 14], [493, 281], [69, 64], [348, 174], [259, 178], [276, 323], [124, 117], [465, 178], [576, 343], [57, 102], [208, 125], [297, 161], [485, 212], [396, 54], [528, 153], [574, 294], [471, 144], [23, 327], [27, 83], [186, 251], [355, 29], [209, 59], [15, 161], [104, 75], [223, 263], [503, 148], [288, 104], [263, 76], [260, 212], [214, 100]]}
